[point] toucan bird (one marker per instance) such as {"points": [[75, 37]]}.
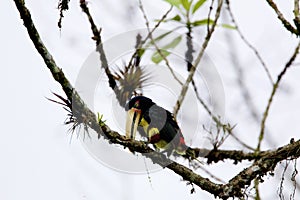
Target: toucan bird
{"points": [[157, 124]]}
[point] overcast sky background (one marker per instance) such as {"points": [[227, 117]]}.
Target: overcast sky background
{"points": [[38, 161]]}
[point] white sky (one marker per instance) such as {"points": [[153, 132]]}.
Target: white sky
{"points": [[38, 160]]}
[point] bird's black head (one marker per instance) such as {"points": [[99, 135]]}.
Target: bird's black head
{"points": [[139, 102], [136, 108]]}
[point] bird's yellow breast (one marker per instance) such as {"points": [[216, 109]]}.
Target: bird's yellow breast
{"points": [[151, 132], [144, 123]]}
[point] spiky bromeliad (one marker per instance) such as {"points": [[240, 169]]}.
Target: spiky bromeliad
{"points": [[157, 124]]}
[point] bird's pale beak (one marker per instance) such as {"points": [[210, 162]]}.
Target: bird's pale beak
{"points": [[132, 122]]}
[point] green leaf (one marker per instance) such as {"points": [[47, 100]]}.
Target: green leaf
{"points": [[175, 3], [198, 5], [176, 18], [100, 120], [174, 43], [158, 38], [228, 26], [202, 22], [157, 57], [186, 4]]}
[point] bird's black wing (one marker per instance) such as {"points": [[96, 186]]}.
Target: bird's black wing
{"points": [[171, 131], [164, 121], [156, 116]]}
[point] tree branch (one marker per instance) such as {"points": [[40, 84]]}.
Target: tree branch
{"points": [[159, 51], [266, 163], [248, 43], [80, 110], [296, 14], [99, 46], [261, 167], [197, 61], [280, 16], [275, 87]]}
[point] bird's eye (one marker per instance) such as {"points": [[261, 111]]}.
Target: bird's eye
{"points": [[137, 104]]}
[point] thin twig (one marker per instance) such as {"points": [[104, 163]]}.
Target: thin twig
{"points": [[197, 61], [215, 118], [248, 43], [212, 175], [140, 45], [233, 135], [261, 167], [280, 189], [209, 14], [232, 189], [57, 72], [126, 82], [289, 170], [63, 5], [256, 186], [155, 45], [296, 8], [104, 130], [294, 181], [99, 45], [280, 16], [275, 87], [218, 121], [297, 14], [189, 43], [195, 88], [240, 78]]}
